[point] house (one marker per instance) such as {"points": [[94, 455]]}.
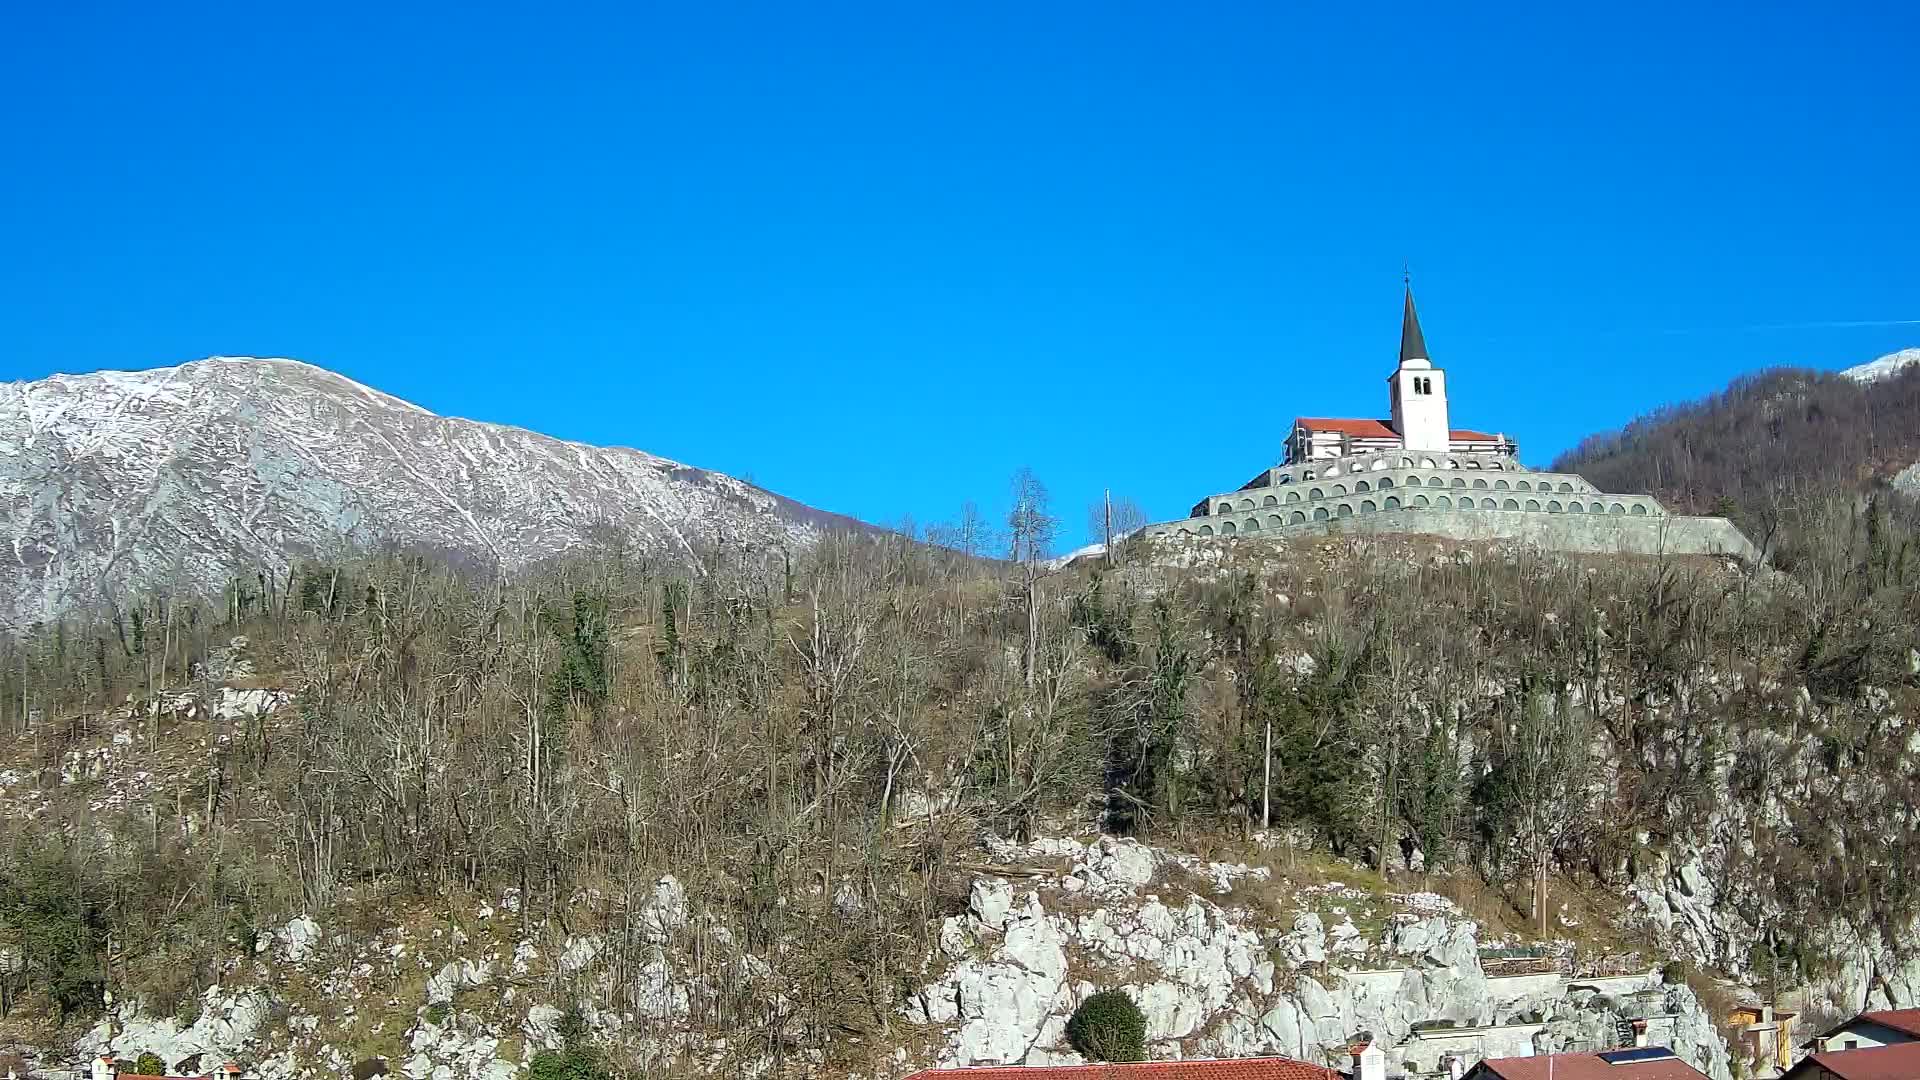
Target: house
{"points": [[1638, 1063], [1765, 1033], [1270, 1068], [107, 1068], [1899, 1061], [1888, 1027]]}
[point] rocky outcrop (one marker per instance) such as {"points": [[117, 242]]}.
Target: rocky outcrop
{"points": [[1216, 980]]}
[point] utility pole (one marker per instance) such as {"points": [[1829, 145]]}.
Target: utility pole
{"points": [[1266, 783], [1108, 495]]}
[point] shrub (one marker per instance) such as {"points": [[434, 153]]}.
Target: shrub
{"points": [[1109, 1027], [576, 1062], [149, 1064]]}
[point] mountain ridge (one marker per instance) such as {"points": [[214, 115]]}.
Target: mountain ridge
{"points": [[184, 475]]}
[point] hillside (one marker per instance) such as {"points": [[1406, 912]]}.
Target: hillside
{"points": [[760, 823], [1769, 445], [182, 479]]}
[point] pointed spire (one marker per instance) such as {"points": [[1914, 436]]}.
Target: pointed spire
{"points": [[1412, 345]]}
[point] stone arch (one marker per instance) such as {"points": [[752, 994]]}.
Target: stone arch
{"points": [[1443, 503], [1320, 513], [1501, 484], [1427, 463], [1346, 510], [1367, 507], [1224, 508], [1553, 506], [1639, 508], [1297, 517], [1227, 528], [1362, 486], [1252, 525], [1293, 496], [1413, 481], [1574, 507], [1386, 482], [1480, 483], [1466, 502], [1273, 521], [1473, 463], [1509, 504], [1459, 481], [1271, 500], [1186, 534], [1596, 508], [1438, 481], [1617, 508], [1523, 485], [1533, 504], [1380, 463], [1246, 504], [1406, 463], [1489, 504], [1206, 530], [1339, 490], [1420, 502], [1564, 486], [1316, 493], [1392, 503]]}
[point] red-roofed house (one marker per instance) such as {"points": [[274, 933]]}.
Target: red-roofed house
{"points": [[1274, 1068], [1899, 1061], [1887, 1027], [1643, 1063]]}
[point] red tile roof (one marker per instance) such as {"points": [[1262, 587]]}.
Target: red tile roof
{"points": [[1275, 1068], [1906, 1021], [1901, 1061], [1587, 1067], [1378, 429]]}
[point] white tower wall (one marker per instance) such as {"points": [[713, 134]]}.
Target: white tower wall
{"points": [[1420, 406]]}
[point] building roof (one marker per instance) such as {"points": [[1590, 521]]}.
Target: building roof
{"points": [[1271, 1068], [1379, 429], [1905, 1021], [1900, 1061], [1588, 1067], [1413, 346]]}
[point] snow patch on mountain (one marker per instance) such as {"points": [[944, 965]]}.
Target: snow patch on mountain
{"points": [[1884, 368]]}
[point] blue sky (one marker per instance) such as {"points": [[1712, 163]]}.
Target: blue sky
{"points": [[876, 257]]}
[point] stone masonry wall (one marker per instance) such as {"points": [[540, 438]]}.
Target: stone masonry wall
{"points": [[1594, 533]]}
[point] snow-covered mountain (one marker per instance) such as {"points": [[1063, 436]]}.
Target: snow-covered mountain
{"points": [[181, 477], [1883, 368]]}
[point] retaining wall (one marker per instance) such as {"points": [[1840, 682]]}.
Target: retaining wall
{"points": [[1607, 533]]}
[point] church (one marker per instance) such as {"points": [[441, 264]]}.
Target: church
{"points": [[1413, 472]]}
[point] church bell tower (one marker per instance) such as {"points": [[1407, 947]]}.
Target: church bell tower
{"points": [[1419, 391]]}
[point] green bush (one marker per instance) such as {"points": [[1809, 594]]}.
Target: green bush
{"points": [[576, 1062], [150, 1065], [1108, 1027]]}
